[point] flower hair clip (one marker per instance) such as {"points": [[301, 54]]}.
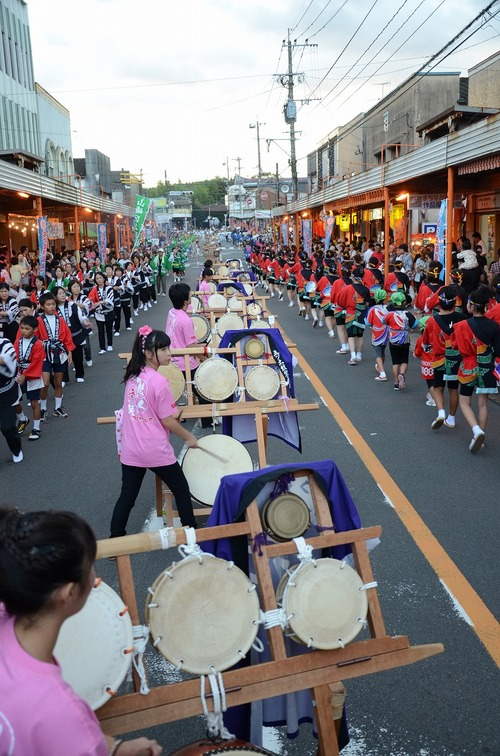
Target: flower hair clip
{"points": [[144, 332]]}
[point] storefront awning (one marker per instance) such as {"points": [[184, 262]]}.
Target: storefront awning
{"points": [[477, 166]]}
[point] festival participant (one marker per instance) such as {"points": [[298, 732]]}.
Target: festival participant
{"points": [[103, 305], [124, 290], [30, 355], [38, 291], [9, 393], [426, 368], [304, 277], [58, 345], [291, 273], [59, 279], [338, 310], [380, 331], [400, 324], [273, 273], [373, 278], [397, 280], [9, 311], [76, 319], [46, 574], [355, 300], [84, 305], [478, 341], [493, 311], [204, 285], [430, 286], [149, 415], [326, 308], [436, 341]]}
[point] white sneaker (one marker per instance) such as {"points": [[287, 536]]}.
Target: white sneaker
{"points": [[129, 328], [102, 351], [331, 334], [290, 304], [117, 333], [164, 295], [89, 363], [272, 294], [18, 457], [306, 317], [110, 349], [321, 324], [80, 380], [450, 422], [342, 351], [136, 313], [430, 402], [475, 444], [131, 321]]}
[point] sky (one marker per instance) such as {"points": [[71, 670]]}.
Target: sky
{"points": [[171, 87]]}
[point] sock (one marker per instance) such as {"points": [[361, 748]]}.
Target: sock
{"points": [[358, 355], [451, 417], [58, 401], [353, 355], [475, 430], [43, 404], [330, 333], [382, 374], [441, 413], [36, 424], [22, 417]]}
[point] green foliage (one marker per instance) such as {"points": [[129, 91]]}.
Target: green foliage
{"points": [[207, 192]]}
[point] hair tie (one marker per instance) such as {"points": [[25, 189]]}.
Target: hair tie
{"points": [[144, 332]]}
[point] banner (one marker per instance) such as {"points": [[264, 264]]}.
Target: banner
{"points": [[329, 224], [142, 205], [284, 234], [43, 243], [440, 246], [102, 241], [307, 236]]}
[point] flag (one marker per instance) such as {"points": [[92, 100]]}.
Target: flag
{"points": [[101, 241], [142, 205], [307, 235], [329, 224], [43, 243]]}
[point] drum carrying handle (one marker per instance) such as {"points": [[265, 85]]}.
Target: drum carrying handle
{"points": [[214, 719], [305, 551], [141, 634]]}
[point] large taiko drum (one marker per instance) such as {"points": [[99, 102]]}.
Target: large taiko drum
{"points": [[204, 471], [262, 382], [175, 377], [216, 379], [229, 322], [211, 747], [95, 646], [217, 302], [196, 303], [235, 304], [259, 324], [324, 602], [203, 614], [201, 327]]}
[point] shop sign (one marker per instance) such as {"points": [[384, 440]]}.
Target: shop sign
{"points": [[344, 222], [376, 213], [485, 202]]}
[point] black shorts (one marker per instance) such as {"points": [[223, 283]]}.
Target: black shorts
{"points": [[50, 367], [399, 353], [440, 381]]}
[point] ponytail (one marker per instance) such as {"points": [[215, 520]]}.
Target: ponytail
{"points": [[146, 339]]}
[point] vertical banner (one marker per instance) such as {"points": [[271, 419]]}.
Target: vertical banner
{"points": [[284, 234], [43, 243], [102, 241], [307, 235], [329, 224], [142, 205], [440, 246]]}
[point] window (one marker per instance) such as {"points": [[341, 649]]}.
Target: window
{"points": [[15, 73], [6, 51]]}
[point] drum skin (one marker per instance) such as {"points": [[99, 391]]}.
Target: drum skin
{"points": [[175, 378], [204, 747]]}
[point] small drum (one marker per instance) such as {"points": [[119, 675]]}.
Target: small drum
{"points": [[204, 471], [248, 289], [254, 309], [234, 264], [310, 287], [235, 304], [217, 302], [212, 747], [325, 603], [95, 646], [262, 382], [196, 304], [203, 614], [243, 277], [201, 327], [216, 379], [222, 270], [254, 348], [285, 517], [174, 376], [229, 322], [259, 324], [327, 291]]}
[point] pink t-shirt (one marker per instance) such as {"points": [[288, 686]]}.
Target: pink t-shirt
{"points": [[145, 441], [205, 286], [180, 329], [41, 714]]}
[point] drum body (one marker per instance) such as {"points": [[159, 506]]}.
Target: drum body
{"points": [[203, 614], [310, 287], [95, 646], [196, 304], [325, 603], [259, 324], [221, 270], [254, 309], [254, 348], [327, 291], [229, 322], [202, 328], [285, 517], [216, 379], [248, 288], [174, 376], [262, 382], [228, 747], [204, 472], [235, 304], [217, 302]]}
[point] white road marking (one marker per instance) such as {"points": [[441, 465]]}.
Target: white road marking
{"points": [[347, 437], [457, 606], [387, 500]]}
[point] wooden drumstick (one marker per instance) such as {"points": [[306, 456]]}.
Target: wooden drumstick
{"points": [[212, 454]]}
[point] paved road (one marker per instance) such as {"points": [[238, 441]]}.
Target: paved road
{"points": [[434, 500]]}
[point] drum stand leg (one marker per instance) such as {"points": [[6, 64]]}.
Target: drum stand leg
{"points": [[327, 734]]}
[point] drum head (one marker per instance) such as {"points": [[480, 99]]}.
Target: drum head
{"points": [[254, 348], [201, 327], [216, 379], [204, 472], [203, 615], [229, 322], [310, 287], [234, 264], [243, 277], [285, 517], [213, 287], [228, 747], [262, 382], [325, 604], [196, 304], [327, 291], [217, 301], [222, 270], [254, 309], [248, 288], [235, 304], [259, 324], [94, 647], [174, 376], [229, 289]]}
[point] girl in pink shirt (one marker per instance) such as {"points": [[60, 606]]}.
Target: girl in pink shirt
{"points": [[148, 416], [46, 574]]}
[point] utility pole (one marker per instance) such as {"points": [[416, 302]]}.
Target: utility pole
{"points": [[259, 163], [238, 160]]}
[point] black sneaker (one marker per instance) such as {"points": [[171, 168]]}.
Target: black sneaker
{"points": [[60, 413], [22, 426], [34, 435], [43, 416]]}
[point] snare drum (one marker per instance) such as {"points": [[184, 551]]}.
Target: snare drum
{"points": [[254, 309], [201, 327], [216, 379], [217, 302], [229, 322], [204, 472], [95, 646], [174, 376], [262, 382], [203, 614], [285, 517], [254, 348], [211, 747], [235, 304], [324, 602]]}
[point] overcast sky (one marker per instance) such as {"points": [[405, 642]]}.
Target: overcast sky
{"points": [[171, 85]]}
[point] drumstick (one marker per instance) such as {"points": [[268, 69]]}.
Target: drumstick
{"points": [[212, 454]]}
